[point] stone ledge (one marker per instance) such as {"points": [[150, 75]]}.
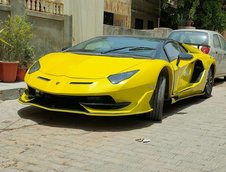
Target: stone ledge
{"points": [[44, 15], [5, 7]]}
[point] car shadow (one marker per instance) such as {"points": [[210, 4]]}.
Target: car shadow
{"points": [[96, 123], [101, 124], [218, 81], [179, 108], [84, 122]]}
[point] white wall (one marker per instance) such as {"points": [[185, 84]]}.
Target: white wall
{"points": [[87, 18]]}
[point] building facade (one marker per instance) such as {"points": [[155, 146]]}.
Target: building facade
{"points": [[51, 28], [145, 14], [87, 18], [62, 23], [117, 13]]}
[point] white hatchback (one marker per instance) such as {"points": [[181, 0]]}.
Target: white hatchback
{"points": [[209, 42]]}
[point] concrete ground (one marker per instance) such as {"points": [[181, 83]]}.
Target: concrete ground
{"points": [[9, 86], [191, 137], [9, 91]]}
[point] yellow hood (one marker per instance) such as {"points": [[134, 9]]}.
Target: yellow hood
{"points": [[85, 66]]}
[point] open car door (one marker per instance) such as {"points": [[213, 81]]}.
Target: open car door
{"points": [[187, 71]]}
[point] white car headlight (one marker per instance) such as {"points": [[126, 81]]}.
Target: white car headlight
{"points": [[35, 67], [117, 78]]}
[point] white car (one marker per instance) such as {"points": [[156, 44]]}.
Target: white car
{"points": [[209, 42]]}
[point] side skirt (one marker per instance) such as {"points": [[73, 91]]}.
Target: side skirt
{"points": [[176, 99]]}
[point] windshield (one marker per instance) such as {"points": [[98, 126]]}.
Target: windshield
{"points": [[190, 37], [118, 46]]}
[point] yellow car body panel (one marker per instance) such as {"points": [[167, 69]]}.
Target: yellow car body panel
{"points": [[67, 74], [183, 73]]}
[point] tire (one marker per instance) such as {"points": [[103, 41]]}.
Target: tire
{"points": [[225, 78], [209, 85], [157, 100]]}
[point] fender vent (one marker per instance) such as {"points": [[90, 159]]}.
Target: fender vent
{"points": [[42, 78]]}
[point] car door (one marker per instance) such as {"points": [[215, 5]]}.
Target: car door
{"points": [[217, 53], [182, 71], [223, 62]]}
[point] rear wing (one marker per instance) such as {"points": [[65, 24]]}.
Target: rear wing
{"points": [[194, 48]]}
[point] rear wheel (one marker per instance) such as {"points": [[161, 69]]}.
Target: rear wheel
{"points": [[157, 100], [209, 85]]}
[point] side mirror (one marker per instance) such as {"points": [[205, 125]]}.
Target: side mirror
{"points": [[184, 56], [63, 49]]}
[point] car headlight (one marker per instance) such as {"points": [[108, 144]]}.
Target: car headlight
{"points": [[117, 78], [35, 67]]}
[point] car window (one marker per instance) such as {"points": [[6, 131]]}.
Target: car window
{"points": [[182, 49], [172, 50], [97, 45], [162, 55], [216, 41], [190, 37], [223, 42]]}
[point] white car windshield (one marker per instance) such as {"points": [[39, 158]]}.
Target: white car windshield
{"points": [[190, 37]]}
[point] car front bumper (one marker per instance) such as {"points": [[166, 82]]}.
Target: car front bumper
{"points": [[96, 97], [98, 105]]}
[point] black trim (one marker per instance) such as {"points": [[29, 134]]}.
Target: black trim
{"points": [[106, 105], [42, 78], [85, 83]]}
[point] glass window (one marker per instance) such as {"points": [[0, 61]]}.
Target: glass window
{"points": [[172, 50], [160, 54], [108, 18], [139, 24], [216, 41], [223, 42], [150, 24], [182, 49]]}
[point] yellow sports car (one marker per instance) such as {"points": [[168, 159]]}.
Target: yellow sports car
{"points": [[119, 75]]}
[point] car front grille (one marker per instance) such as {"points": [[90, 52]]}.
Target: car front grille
{"points": [[73, 102]]}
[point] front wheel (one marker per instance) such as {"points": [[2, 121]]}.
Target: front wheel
{"points": [[157, 100], [209, 85]]}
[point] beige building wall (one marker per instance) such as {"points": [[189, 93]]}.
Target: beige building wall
{"points": [[87, 18], [121, 10]]}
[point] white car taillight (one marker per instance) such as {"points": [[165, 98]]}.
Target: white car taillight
{"points": [[205, 49]]}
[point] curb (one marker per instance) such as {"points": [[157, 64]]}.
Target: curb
{"points": [[11, 94]]}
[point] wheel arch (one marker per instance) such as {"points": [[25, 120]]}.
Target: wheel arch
{"points": [[168, 74], [213, 68]]}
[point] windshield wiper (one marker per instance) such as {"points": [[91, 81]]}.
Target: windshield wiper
{"points": [[116, 49], [141, 48], [131, 48]]}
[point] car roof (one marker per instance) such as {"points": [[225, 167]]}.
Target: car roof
{"points": [[135, 36], [195, 30]]}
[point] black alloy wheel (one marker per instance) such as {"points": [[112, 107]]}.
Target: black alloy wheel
{"points": [[157, 100], [209, 84]]}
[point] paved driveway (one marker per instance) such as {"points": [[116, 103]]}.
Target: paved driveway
{"points": [[191, 137]]}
